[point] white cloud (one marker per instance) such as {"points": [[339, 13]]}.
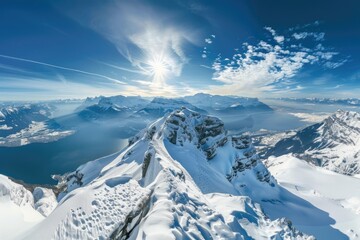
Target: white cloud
{"points": [[267, 66], [208, 40], [150, 38], [64, 68], [46, 88], [278, 38], [308, 117], [302, 35]]}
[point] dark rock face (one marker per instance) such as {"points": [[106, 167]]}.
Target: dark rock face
{"points": [[206, 132], [241, 142], [148, 156], [248, 160], [132, 220]]}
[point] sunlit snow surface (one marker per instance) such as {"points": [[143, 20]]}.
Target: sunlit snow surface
{"points": [[336, 194], [17, 213], [165, 185]]}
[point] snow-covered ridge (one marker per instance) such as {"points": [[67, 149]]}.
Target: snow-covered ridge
{"points": [[98, 107], [345, 101], [160, 106], [333, 144], [226, 104], [107, 107], [166, 187], [20, 209], [116, 101]]}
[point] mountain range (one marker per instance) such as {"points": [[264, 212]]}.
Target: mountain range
{"points": [[333, 144], [345, 101], [167, 184]]}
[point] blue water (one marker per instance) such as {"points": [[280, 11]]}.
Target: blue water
{"points": [[35, 163]]}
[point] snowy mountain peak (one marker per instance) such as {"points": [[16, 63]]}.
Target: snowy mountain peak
{"points": [[333, 143], [163, 186], [206, 132], [343, 127]]}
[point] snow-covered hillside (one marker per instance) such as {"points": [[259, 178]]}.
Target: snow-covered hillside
{"points": [[182, 177], [336, 194], [333, 144], [20, 210]]}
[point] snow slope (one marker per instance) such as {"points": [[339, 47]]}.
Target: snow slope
{"points": [[182, 177], [333, 144], [334, 193], [17, 209]]}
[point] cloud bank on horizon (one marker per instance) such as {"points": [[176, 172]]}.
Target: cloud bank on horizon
{"points": [[173, 48]]}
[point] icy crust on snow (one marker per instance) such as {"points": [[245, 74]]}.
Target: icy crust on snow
{"points": [[163, 189], [333, 144]]}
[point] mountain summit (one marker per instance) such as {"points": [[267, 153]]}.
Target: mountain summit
{"points": [[183, 177], [333, 144]]}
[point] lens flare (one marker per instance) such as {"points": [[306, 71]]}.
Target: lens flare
{"points": [[159, 68]]}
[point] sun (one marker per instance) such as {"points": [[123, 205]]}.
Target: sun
{"points": [[158, 68]]}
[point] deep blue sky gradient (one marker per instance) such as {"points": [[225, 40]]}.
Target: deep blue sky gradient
{"points": [[79, 35]]}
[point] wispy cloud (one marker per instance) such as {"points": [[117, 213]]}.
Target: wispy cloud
{"points": [[302, 35], [45, 88], [63, 68], [269, 66], [148, 38]]}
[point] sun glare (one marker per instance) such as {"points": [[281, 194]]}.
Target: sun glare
{"points": [[158, 68]]}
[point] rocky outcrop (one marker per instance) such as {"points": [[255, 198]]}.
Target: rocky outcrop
{"points": [[206, 132], [248, 159]]}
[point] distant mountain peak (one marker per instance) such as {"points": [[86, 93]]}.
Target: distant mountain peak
{"points": [[333, 143]]}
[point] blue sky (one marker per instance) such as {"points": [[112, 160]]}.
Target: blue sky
{"points": [[73, 49]]}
